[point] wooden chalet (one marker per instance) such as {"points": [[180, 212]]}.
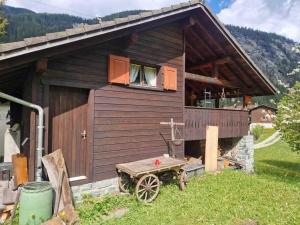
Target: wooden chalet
{"points": [[105, 88], [262, 114]]}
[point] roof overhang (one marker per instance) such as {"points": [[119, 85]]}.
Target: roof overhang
{"points": [[10, 52]]}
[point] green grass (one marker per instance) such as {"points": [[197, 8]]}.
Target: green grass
{"points": [[270, 196], [267, 132]]}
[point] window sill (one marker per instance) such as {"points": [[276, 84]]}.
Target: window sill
{"points": [[145, 87]]}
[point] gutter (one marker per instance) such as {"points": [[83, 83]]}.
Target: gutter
{"points": [[40, 127]]}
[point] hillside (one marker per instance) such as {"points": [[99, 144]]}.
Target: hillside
{"points": [[271, 52]]}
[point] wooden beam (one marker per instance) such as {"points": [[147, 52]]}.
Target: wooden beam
{"points": [[206, 64], [133, 39], [188, 23], [41, 65], [201, 41], [210, 80], [194, 51], [220, 47]]}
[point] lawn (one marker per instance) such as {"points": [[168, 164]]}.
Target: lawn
{"points": [[270, 196], [267, 132]]}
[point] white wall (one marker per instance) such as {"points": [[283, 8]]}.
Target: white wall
{"points": [[3, 126]]}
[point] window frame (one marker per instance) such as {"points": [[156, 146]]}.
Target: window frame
{"points": [[142, 78]]}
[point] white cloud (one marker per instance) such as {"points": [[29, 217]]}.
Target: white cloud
{"points": [[90, 8], [278, 16]]}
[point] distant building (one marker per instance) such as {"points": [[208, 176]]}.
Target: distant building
{"points": [[263, 115]]}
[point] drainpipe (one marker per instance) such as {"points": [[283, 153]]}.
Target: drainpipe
{"points": [[39, 149]]}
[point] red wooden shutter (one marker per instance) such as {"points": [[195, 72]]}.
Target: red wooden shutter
{"points": [[170, 78], [118, 69]]}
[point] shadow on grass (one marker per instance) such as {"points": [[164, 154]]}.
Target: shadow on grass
{"points": [[284, 171]]}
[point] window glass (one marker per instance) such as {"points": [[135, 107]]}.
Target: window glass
{"points": [[143, 75], [135, 74], [150, 76]]}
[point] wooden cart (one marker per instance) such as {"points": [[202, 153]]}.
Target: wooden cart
{"points": [[145, 174]]}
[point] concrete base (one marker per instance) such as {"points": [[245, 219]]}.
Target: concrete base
{"points": [[96, 189]]}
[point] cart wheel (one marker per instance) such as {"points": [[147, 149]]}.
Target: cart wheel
{"points": [[183, 179], [147, 188], [125, 183]]}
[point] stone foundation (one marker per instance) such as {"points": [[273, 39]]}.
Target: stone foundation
{"points": [[245, 152], [241, 150], [96, 189]]}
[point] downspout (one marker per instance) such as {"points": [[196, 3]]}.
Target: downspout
{"points": [[39, 149]]}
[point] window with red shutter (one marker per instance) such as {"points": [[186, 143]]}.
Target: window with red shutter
{"points": [[118, 69], [170, 78]]}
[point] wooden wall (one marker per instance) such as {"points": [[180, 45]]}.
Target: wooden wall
{"points": [[126, 120], [231, 123], [258, 114]]}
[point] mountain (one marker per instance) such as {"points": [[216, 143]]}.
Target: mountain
{"points": [[271, 52]]}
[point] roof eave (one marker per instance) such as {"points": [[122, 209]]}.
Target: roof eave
{"points": [[240, 50], [90, 34]]}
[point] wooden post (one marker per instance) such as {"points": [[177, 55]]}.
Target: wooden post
{"points": [[217, 103], [247, 100], [172, 125], [211, 148]]}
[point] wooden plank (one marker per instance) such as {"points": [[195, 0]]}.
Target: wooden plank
{"points": [[211, 148], [54, 163], [137, 168], [90, 137]]}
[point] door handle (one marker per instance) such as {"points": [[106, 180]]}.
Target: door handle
{"points": [[83, 134]]}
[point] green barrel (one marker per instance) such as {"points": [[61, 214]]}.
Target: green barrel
{"points": [[35, 203]]}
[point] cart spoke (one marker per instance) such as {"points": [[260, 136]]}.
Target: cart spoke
{"points": [[141, 190], [144, 186], [153, 182], [146, 195], [149, 180]]}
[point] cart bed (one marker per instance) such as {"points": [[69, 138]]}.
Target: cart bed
{"points": [[147, 166]]}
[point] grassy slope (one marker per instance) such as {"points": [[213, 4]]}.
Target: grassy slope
{"points": [[272, 196], [266, 133]]}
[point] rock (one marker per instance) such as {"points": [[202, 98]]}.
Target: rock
{"points": [[119, 213]]}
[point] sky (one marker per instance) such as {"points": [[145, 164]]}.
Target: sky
{"points": [[277, 16]]}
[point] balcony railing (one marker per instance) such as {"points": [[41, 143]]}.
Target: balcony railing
{"points": [[231, 123]]}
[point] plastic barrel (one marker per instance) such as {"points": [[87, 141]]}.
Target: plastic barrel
{"points": [[35, 203]]}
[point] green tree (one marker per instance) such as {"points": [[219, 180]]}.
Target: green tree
{"points": [[3, 21], [288, 117]]}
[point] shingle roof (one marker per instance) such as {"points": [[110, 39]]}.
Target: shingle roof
{"points": [[9, 50]]}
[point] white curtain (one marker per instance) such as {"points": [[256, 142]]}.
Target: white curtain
{"points": [[150, 76], [134, 72]]}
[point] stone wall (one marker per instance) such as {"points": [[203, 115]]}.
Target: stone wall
{"points": [[245, 152], [241, 150], [96, 189]]}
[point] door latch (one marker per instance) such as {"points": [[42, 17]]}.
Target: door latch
{"points": [[83, 134]]}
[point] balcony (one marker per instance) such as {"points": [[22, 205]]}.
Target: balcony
{"points": [[231, 123]]}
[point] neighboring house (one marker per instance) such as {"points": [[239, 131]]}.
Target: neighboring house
{"points": [[262, 115], [105, 88]]}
